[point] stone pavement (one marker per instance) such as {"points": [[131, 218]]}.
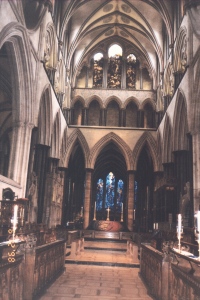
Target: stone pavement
{"points": [[102, 272], [91, 282]]}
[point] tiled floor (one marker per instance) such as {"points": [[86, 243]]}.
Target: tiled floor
{"points": [[99, 274], [91, 282]]}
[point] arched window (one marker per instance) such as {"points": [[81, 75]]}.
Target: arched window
{"points": [[130, 71], [110, 190], [110, 194], [99, 198], [98, 70], [114, 66]]}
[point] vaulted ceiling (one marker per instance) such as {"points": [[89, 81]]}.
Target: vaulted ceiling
{"points": [[88, 26]]}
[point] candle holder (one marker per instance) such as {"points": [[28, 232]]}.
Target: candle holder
{"points": [[108, 215], [122, 214], [197, 232], [179, 230]]}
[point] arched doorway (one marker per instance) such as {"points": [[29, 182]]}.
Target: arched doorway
{"points": [[144, 184], [74, 188], [109, 184]]}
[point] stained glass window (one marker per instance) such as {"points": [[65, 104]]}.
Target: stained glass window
{"points": [[110, 190], [120, 186], [99, 198], [109, 194]]}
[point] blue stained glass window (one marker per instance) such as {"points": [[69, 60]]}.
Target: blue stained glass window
{"points": [[110, 190], [120, 186], [99, 195]]}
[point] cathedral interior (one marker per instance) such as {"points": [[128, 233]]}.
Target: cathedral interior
{"points": [[100, 136]]}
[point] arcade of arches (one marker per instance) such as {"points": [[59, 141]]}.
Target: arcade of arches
{"points": [[100, 114]]}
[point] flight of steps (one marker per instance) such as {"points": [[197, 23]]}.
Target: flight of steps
{"points": [[101, 251]]}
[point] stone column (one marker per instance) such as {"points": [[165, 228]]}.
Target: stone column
{"points": [[105, 73], [141, 79], [130, 199], [87, 202], [19, 154], [196, 170], [123, 75]]}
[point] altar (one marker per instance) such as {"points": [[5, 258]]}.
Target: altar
{"points": [[107, 225]]}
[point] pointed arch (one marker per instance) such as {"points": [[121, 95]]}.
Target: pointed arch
{"points": [[180, 128], [147, 139], [97, 98], [167, 141], [76, 99], [149, 101], [131, 100], [111, 137], [75, 135], [15, 36], [113, 98], [45, 118], [55, 141]]}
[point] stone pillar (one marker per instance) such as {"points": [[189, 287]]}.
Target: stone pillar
{"points": [[19, 154], [105, 73], [141, 79], [130, 199], [87, 202], [196, 170], [85, 116], [123, 75], [86, 78]]}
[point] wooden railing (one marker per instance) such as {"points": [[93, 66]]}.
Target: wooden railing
{"points": [[42, 265], [170, 275], [31, 270], [11, 279]]}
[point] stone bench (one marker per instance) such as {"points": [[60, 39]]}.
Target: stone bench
{"points": [[77, 246], [132, 251]]}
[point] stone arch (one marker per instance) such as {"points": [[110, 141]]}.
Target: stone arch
{"points": [[19, 50], [149, 101], [55, 140], [34, 13], [180, 124], [129, 100], [76, 99], [167, 141], [111, 137], [147, 139], [75, 135], [113, 98], [97, 98], [45, 118]]}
